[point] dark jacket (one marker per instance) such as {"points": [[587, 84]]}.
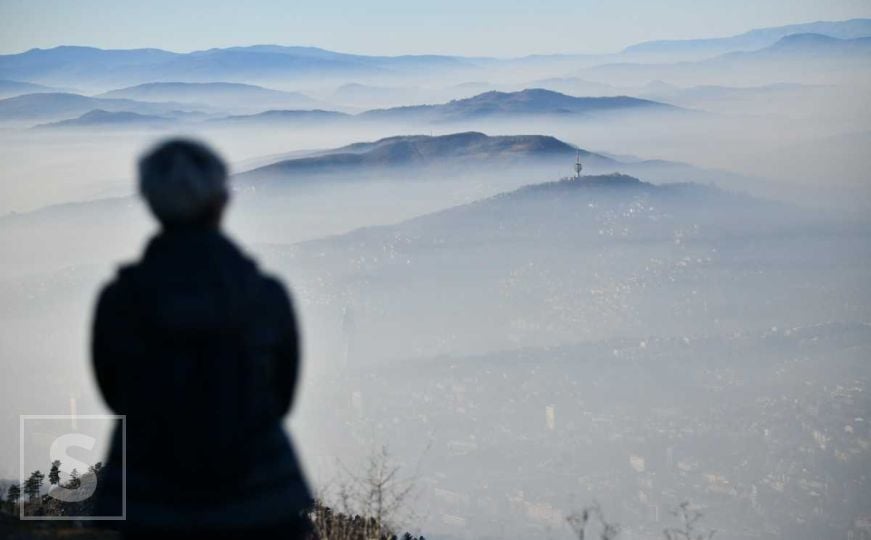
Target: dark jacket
{"points": [[200, 351]]}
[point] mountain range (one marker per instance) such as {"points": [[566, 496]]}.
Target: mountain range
{"points": [[66, 106], [796, 58], [221, 95], [489, 105], [530, 102], [107, 119], [533, 101], [18, 88], [93, 68], [105, 69], [689, 49]]}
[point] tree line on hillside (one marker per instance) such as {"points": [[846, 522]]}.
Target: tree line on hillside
{"points": [[373, 494], [366, 507]]}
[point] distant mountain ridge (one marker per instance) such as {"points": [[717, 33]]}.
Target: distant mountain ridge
{"points": [[284, 115], [817, 43], [219, 94], [489, 104], [454, 150], [532, 101], [17, 88], [754, 39], [529, 102], [61, 104], [94, 68], [101, 118], [795, 58]]}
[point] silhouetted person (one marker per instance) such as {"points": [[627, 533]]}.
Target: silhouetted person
{"points": [[199, 349]]}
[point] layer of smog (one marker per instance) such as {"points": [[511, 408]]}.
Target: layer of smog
{"points": [[687, 318]]}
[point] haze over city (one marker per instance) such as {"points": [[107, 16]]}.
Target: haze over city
{"points": [[550, 257]]}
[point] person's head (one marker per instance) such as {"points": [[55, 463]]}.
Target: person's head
{"points": [[184, 183]]}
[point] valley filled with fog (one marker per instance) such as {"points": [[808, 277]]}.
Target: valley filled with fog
{"points": [[688, 320]]}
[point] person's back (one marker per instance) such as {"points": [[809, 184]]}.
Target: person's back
{"points": [[199, 350]]}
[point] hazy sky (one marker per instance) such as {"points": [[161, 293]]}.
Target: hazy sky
{"points": [[485, 27]]}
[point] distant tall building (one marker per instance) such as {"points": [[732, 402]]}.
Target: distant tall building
{"points": [[636, 462], [357, 402], [73, 413], [578, 166], [348, 332]]}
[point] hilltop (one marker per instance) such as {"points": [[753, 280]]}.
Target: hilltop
{"points": [[532, 101], [214, 94], [102, 118], [457, 150]]}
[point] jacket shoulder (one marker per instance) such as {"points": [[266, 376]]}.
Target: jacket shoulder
{"points": [[275, 293], [120, 289], [116, 286]]}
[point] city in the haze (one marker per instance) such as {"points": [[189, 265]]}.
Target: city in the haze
{"points": [[686, 316]]}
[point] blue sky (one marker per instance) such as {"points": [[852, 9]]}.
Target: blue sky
{"points": [[486, 27]]}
